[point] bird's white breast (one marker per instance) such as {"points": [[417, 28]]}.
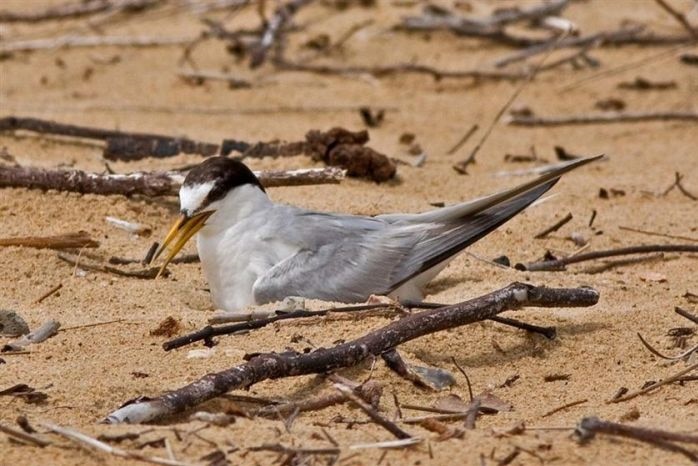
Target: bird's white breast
{"points": [[239, 243]]}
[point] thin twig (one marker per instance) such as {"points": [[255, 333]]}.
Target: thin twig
{"points": [[565, 406], [560, 264], [49, 293], [680, 17], [662, 382], [553, 228], [652, 350], [602, 118], [462, 166], [463, 140], [23, 436], [662, 438], [654, 233], [62, 42], [375, 416], [85, 440], [686, 314]]}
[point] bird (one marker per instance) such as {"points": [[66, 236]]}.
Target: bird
{"points": [[255, 251]]}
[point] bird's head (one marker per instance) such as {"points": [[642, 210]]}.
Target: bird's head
{"points": [[201, 194]]}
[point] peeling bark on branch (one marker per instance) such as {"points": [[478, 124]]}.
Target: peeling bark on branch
{"points": [[277, 365]]}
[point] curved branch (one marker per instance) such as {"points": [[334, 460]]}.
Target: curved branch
{"points": [[277, 365]]}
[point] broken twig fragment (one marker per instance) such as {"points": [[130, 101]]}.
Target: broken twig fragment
{"points": [[77, 240], [43, 333]]}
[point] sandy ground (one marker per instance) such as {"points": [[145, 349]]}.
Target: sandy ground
{"points": [[89, 371]]}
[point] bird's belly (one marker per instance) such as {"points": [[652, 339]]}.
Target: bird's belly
{"points": [[232, 261]]}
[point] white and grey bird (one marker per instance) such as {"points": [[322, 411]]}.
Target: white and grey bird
{"points": [[255, 251]]}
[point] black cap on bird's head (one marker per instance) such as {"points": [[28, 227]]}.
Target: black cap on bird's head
{"points": [[208, 182], [211, 180]]}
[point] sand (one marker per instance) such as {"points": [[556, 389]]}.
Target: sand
{"points": [[89, 371]]}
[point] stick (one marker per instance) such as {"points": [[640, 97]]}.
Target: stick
{"points": [[565, 406], [601, 118], [67, 241], [151, 184], [372, 413], [555, 227], [209, 332], [559, 264], [85, 440], [46, 331], [401, 68], [49, 293], [121, 145], [680, 17], [686, 314], [74, 260], [75, 10], [199, 76], [654, 233], [666, 381], [62, 42], [463, 140], [273, 365], [23, 436], [662, 438]]}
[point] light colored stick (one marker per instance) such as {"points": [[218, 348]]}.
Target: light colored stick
{"points": [[86, 440], [91, 41], [23, 436]]}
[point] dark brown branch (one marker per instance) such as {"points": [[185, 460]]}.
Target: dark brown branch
{"points": [[76, 10], [76, 261], [77, 240], [601, 118], [555, 227], [649, 388], [276, 365], [151, 184], [559, 264], [589, 426], [121, 145], [23, 436]]}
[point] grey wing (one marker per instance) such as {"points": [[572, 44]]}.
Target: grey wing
{"points": [[343, 258]]}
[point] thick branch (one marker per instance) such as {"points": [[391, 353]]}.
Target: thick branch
{"points": [[92, 41], [277, 365], [145, 183], [75, 10]]}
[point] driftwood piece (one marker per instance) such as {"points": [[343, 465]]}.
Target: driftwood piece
{"points": [[150, 184], [46, 331], [121, 145], [276, 365], [601, 118], [80, 239], [76, 10]]}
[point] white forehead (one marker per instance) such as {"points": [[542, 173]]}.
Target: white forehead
{"points": [[191, 197]]}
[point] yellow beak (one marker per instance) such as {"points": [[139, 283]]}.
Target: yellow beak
{"points": [[182, 229]]}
